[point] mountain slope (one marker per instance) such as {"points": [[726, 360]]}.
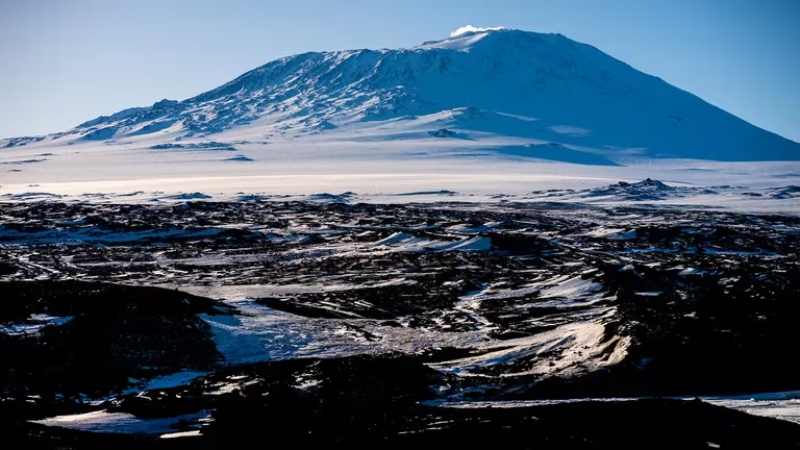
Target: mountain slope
{"points": [[530, 88]]}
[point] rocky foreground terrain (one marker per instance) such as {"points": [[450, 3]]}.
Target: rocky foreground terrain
{"points": [[328, 324]]}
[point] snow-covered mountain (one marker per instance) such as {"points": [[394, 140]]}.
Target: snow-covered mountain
{"points": [[543, 93]]}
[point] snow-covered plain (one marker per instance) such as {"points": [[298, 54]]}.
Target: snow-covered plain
{"points": [[485, 115]]}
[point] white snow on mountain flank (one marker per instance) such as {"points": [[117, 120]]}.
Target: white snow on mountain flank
{"points": [[487, 111]]}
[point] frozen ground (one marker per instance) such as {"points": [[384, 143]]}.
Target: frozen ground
{"points": [[222, 316]]}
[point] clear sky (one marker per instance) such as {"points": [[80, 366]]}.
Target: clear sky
{"points": [[64, 62]]}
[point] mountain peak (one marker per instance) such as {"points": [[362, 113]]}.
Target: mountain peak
{"points": [[498, 38], [487, 84], [469, 29]]}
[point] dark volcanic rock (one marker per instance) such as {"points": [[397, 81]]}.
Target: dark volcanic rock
{"points": [[112, 334], [366, 402], [563, 302]]}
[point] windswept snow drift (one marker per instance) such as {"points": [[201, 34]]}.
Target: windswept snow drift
{"points": [[117, 422]]}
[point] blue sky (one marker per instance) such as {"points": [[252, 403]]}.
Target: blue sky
{"points": [[67, 62]]}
